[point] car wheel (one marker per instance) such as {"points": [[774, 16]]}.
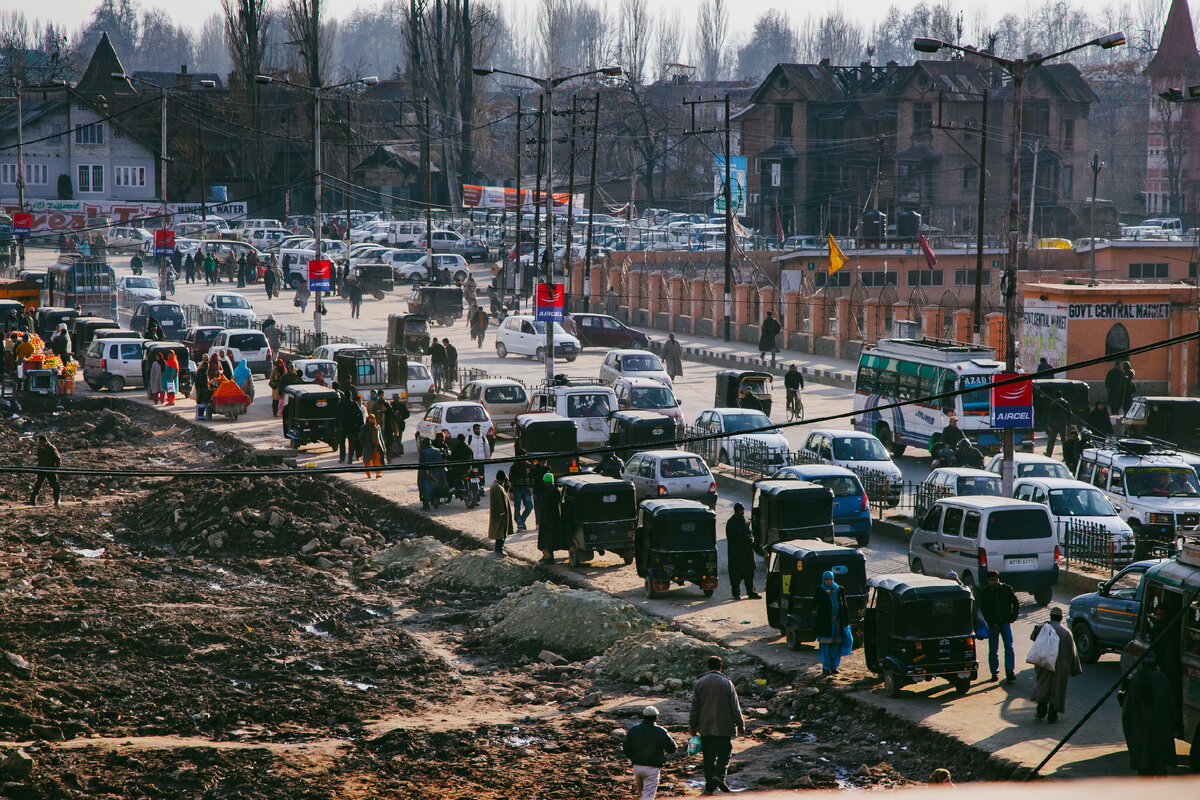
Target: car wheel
{"points": [[1085, 643], [115, 383], [501, 350], [793, 638], [291, 282], [1042, 595], [539, 354], [377, 295], [863, 539], [916, 566], [461, 276]]}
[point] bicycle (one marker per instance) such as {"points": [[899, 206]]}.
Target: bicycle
{"points": [[795, 406]]}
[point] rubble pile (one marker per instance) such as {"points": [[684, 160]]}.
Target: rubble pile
{"points": [[655, 657]]}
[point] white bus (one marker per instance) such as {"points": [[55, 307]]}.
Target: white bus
{"points": [[906, 369]]}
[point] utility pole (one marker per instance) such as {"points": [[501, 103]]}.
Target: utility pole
{"points": [[570, 197], [517, 271], [429, 265], [319, 239], [162, 183], [349, 176], [534, 257], [21, 151], [1036, 147], [979, 214], [200, 161], [548, 91], [587, 264], [728, 197], [1096, 165]]}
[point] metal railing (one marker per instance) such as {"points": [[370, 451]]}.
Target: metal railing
{"points": [[706, 449], [1094, 544], [922, 496]]}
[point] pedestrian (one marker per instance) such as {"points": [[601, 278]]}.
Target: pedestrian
{"points": [[371, 441], [204, 389], [354, 291], [300, 301], [834, 640], [189, 269], [749, 400], [549, 521], [481, 446], [154, 385], [431, 476], [500, 513], [48, 457], [210, 270], [170, 377], [715, 717], [766, 338], [1072, 448], [471, 288], [241, 271], [1000, 609], [60, 343], [437, 362], [739, 542], [1050, 691], [1058, 416], [647, 746], [269, 282], [244, 378], [518, 479], [673, 357], [1044, 365], [610, 302], [1148, 717], [349, 421], [275, 381], [479, 324], [450, 372], [1131, 387], [1099, 420], [274, 336], [401, 413], [1114, 384]]}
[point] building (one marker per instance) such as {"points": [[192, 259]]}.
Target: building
{"points": [[1172, 172]]}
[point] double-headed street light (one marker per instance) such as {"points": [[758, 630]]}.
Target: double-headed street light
{"points": [[318, 234], [1017, 68], [548, 85]]}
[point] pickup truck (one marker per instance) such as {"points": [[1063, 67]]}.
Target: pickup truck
{"points": [[1103, 621]]}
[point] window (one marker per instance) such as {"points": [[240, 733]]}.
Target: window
{"points": [[1068, 134], [970, 178], [966, 277], [838, 278], [971, 525], [925, 277], [783, 120], [8, 173], [1148, 271], [1068, 181], [952, 521], [37, 174], [90, 134], [878, 278], [1116, 340], [56, 132], [922, 117], [129, 176], [91, 178]]}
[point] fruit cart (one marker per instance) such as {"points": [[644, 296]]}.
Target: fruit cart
{"points": [[229, 400]]}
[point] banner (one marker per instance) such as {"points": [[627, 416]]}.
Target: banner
{"points": [[548, 302], [1012, 405], [22, 222], [164, 242], [320, 276], [498, 197], [737, 188], [70, 216]]}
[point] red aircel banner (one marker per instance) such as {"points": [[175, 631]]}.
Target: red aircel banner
{"points": [[498, 197], [1012, 405], [320, 276], [548, 302]]}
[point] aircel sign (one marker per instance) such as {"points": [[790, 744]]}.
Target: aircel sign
{"points": [[1012, 405]]}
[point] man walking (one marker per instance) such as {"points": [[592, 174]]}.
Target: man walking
{"points": [[715, 717], [1114, 384], [1050, 692], [647, 745], [48, 457], [740, 543], [1000, 609], [519, 477], [269, 282], [766, 339], [610, 302], [673, 357], [450, 371], [1058, 416], [437, 363], [500, 513]]}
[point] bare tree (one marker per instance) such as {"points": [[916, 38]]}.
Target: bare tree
{"points": [[247, 28], [212, 46], [668, 43], [310, 35], [708, 45], [772, 42], [161, 43], [634, 21], [20, 39]]}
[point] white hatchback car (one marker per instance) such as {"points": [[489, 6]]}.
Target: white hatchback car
{"points": [[138, 286], [454, 417], [1030, 465], [523, 336], [633, 364], [671, 473], [246, 343], [232, 306], [858, 451], [419, 269], [731, 422], [1070, 501]]}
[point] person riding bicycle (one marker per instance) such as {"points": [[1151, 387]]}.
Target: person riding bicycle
{"points": [[793, 381]]}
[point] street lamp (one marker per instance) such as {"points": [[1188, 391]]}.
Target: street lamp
{"points": [[1017, 68], [547, 85], [162, 162], [318, 234]]}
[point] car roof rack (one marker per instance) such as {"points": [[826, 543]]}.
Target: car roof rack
{"points": [[1139, 446], [566, 380]]}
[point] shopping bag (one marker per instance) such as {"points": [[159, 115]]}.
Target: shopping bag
{"points": [[1045, 648], [693, 745]]}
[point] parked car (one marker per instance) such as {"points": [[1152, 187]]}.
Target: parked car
{"points": [[129, 238], [420, 383], [138, 286], [232, 306], [248, 343], [310, 368], [851, 507], [522, 335], [199, 338], [454, 417], [731, 424], [1103, 621], [671, 473], [504, 399], [633, 364], [1070, 501], [858, 451], [601, 330], [168, 315], [955, 482], [1030, 465], [418, 270], [113, 364], [328, 352]]}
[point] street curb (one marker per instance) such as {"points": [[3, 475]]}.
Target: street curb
{"points": [[828, 377]]}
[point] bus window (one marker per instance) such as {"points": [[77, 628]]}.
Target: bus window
{"points": [[909, 383], [1192, 641], [866, 380], [927, 380], [976, 402]]}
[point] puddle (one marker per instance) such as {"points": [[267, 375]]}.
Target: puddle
{"points": [[362, 687], [314, 667], [522, 741], [216, 587]]}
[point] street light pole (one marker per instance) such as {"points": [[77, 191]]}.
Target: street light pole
{"points": [[1097, 165]]}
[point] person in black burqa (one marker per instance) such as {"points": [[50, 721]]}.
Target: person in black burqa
{"points": [[47, 457], [766, 339], [739, 542], [350, 419], [1058, 416]]}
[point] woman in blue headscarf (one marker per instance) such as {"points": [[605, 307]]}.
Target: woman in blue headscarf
{"points": [[244, 378], [833, 624]]}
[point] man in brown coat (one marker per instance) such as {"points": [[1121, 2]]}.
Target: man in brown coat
{"points": [[716, 715], [1050, 692], [500, 512]]}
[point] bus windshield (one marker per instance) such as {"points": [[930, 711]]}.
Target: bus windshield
{"points": [[976, 402]]}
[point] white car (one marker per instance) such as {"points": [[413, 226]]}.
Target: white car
{"points": [[327, 352], [232, 306], [522, 335], [454, 417], [310, 368], [1030, 465], [634, 364], [732, 422], [247, 343], [419, 270], [420, 383], [138, 286], [1069, 501], [858, 451], [671, 473], [128, 238]]}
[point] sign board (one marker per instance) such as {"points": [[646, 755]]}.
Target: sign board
{"points": [[737, 188], [164, 242], [320, 276], [1119, 310], [1043, 329], [21, 223], [548, 302], [1012, 405]]}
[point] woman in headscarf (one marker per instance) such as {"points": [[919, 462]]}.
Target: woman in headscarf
{"points": [[60, 344], [203, 389], [244, 378], [549, 519], [277, 374], [154, 385], [372, 445], [833, 623], [170, 377]]}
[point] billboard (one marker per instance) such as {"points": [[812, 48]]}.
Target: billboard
{"points": [[498, 197], [737, 189], [1012, 405], [548, 303], [320, 276], [164, 242]]}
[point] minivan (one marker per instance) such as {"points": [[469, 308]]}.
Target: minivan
{"points": [[113, 364], [972, 535], [169, 316]]}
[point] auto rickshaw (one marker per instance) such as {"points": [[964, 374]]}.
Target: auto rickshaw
{"points": [[11, 307], [795, 570], [375, 278], [441, 303], [731, 383], [83, 331], [676, 543], [1167, 419], [917, 628], [632, 431], [550, 437], [784, 510], [49, 317], [410, 331], [181, 355], [1044, 390], [310, 415], [598, 514]]}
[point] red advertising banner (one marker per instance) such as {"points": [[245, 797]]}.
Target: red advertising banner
{"points": [[548, 302], [498, 197], [22, 222], [320, 276], [164, 242], [1012, 405]]}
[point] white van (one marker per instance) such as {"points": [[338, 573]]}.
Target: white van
{"points": [[972, 535], [405, 234], [588, 402], [113, 364], [264, 238], [246, 343]]}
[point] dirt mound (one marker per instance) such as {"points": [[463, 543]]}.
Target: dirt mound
{"points": [[482, 573], [656, 656], [411, 555]]}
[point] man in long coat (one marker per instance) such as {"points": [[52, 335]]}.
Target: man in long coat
{"points": [[500, 512], [673, 357], [1050, 691]]}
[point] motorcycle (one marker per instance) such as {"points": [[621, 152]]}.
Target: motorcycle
{"points": [[470, 488], [170, 281]]}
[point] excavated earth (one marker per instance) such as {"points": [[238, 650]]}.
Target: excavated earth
{"points": [[254, 636]]}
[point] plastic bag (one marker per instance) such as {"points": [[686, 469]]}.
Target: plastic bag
{"points": [[1045, 648], [694, 745]]}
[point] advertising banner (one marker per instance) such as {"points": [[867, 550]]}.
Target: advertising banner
{"points": [[548, 302], [1012, 405], [320, 276], [22, 222], [737, 188], [164, 242], [499, 197]]}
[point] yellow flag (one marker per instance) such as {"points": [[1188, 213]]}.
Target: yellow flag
{"points": [[836, 257]]}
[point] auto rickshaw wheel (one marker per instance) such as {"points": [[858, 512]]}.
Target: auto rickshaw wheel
{"points": [[961, 685], [793, 639], [1194, 758], [891, 683], [377, 294], [570, 359], [1085, 643], [708, 592], [446, 321], [295, 444], [627, 557], [1042, 595], [650, 593]]}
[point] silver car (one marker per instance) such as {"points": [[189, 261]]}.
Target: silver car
{"points": [[671, 473]]}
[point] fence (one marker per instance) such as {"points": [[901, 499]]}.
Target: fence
{"points": [[1092, 543]]}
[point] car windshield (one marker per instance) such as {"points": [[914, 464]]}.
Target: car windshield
{"points": [[139, 283], [1043, 469], [653, 397], [504, 394], [979, 484], [465, 414], [1022, 523], [315, 368], [166, 315], [540, 327], [231, 301], [593, 404], [856, 448], [1161, 482], [736, 423], [840, 485], [1080, 502], [683, 467], [640, 362], [248, 341], [418, 372]]}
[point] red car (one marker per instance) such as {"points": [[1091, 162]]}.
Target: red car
{"points": [[601, 330], [200, 338]]}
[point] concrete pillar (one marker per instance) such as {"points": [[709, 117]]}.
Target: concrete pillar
{"points": [[872, 318], [995, 334], [931, 327], [962, 324], [699, 301], [846, 326], [741, 310]]}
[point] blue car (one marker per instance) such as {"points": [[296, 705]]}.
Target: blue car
{"points": [[1103, 621], [851, 509]]}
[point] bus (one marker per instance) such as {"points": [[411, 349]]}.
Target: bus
{"points": [[84, 281], [896, 370]]}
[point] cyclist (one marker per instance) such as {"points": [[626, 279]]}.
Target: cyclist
{"points": [[793, 381]]}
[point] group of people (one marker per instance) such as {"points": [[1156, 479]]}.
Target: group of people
{"points": [[1121, 386], [214, 368], [371, 429], [443, 363], [163, 384]]}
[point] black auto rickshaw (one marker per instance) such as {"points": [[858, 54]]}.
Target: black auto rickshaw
{"points": [[410, 331], [47, 320], [917, 628], [783, 510], [632, 431], [181, 355], [676, 543], [548, 437], [1044, 392], [441, 303], [1167, 419], [310, 415], [375, 277], [731, 383], [795, 570], [598, 514], [83, 331]]}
